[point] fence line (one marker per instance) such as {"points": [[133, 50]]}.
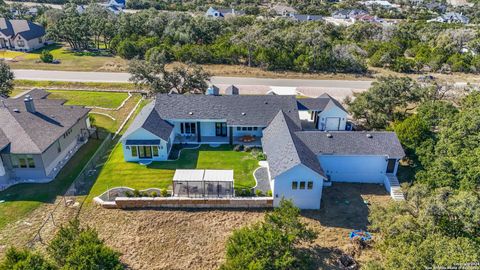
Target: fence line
{"points": [[80, 185]]}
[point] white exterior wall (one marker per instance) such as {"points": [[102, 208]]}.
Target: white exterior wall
{"points": [[30, 45], [142, 134], [302, 198], [331, 110], [357, 169]]}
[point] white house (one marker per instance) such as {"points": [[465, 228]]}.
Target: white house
{"points": [[21, 35], [219, 13], [305, 140]]}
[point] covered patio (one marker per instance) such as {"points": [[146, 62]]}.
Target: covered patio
{"points": [[203, 183]]}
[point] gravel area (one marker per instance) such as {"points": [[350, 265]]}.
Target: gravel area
{"points": [[263, 184]]}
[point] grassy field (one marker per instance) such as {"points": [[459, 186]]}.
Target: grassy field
{"points": [[74, 85], [22, 199], [87, 98], [117, 172], [68, 60]]}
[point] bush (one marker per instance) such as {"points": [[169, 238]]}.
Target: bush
{"points": [[243, 192], [259, 193], [238, 147], [127, 49], [247, 148], [129, 194], [46, 56], [136, 193], [261, 156], [269, 193], [154, 194], [25, 259], [164, 192]]}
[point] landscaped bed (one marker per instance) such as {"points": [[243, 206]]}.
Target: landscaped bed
{"points": [[118, 173]]}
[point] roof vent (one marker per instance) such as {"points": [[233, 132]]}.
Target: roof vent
{"points": [[329, 135], [29, 105], [16, 110], [191, 113], [369, 135], [244, 114], [266, 102]]}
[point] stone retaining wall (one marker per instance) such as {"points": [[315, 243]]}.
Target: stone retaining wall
{"points": [[174, 202]]}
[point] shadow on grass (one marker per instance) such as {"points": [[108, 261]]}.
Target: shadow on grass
{"points": [[343, 206], [47, 192]]}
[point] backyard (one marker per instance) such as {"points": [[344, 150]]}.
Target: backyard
{"points": [[116, 172]]}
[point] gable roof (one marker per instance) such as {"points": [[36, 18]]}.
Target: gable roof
{"points": [[4, 141], [352, 143], [150, 120], [27, 29], [33, 133], [284, 150], [232, 90], [319, 103], [235, 109]]}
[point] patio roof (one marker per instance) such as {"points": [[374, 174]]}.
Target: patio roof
{"points": [[203, 175], [218, 175], [188, 175], [142, 142]]}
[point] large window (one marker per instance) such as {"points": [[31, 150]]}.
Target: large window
{"points": [[294, 185], [188, 128], [302, 185], [23, 162], [21, 43], [155, 150], [134, 151], [310, 185]]}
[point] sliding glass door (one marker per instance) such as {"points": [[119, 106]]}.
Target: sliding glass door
{"points": [[221, 129], [145, 152]]}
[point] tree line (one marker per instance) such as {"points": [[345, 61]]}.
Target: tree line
{"points": [[279, 44]]}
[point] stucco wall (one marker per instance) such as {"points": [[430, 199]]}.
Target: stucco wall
{"points": [[302, 198], [142, 134], [358, 169]]}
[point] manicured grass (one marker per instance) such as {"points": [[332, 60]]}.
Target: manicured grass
{"points": [[22, 199], [117, 172], [69, 60], [89, 98]]}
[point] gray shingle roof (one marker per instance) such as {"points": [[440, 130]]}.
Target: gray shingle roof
{"points": [[33, 133], [26, 29], [236, 110], [284, 150], [150, 120], [4, 141], [318, 103], [352, 143]]}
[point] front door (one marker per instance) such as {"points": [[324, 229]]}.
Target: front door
{"points": [[145, 151], [221, 129], [391, 165]]}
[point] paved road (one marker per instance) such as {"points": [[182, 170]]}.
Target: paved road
{"points": [[336, 88]]}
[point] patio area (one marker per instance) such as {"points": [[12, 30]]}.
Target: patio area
{"points": [[243, 140], [203, 183]]}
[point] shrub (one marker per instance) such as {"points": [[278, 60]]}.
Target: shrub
{"points": [[129, 194], [269, 193], [247, 148], [261, 156], [154, 194], [25, 259], [46, 56], [238, 148], [243, 192], [164, 192], [259, 193], [136, 193]]}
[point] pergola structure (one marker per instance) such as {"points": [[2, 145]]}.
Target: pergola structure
{"points": [[203, 183]]}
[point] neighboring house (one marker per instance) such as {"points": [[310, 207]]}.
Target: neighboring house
{"points": [[121, 4], [305, 17], [348, 13], [451, 17], [21, 35], [223, 12], [37, 137], [305, 140], [381, 3], [282, 10]]}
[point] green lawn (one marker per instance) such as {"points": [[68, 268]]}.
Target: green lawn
{"points": [[75, 85], [69, 60], [90, 98], [22, 199], [117, 172]]}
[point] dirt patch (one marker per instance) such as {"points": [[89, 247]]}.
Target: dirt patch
{"points": [[151, 239]]}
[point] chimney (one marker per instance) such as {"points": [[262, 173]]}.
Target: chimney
{"points": [[29, 105]]}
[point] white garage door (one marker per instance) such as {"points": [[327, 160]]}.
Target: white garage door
{"points": [[333, 123]]}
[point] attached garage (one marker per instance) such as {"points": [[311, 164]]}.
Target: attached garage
{"points": [[357, 169]]}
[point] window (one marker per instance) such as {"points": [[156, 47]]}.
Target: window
{"points": [[66, 134], [155, 150], [31, 162], [250, 128], [255, 128], [134, 151], [188, 128], [294, 185], [244, 128], [302, 185], [239, 128], [21, 43], [23, 162], [310, 185]]}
